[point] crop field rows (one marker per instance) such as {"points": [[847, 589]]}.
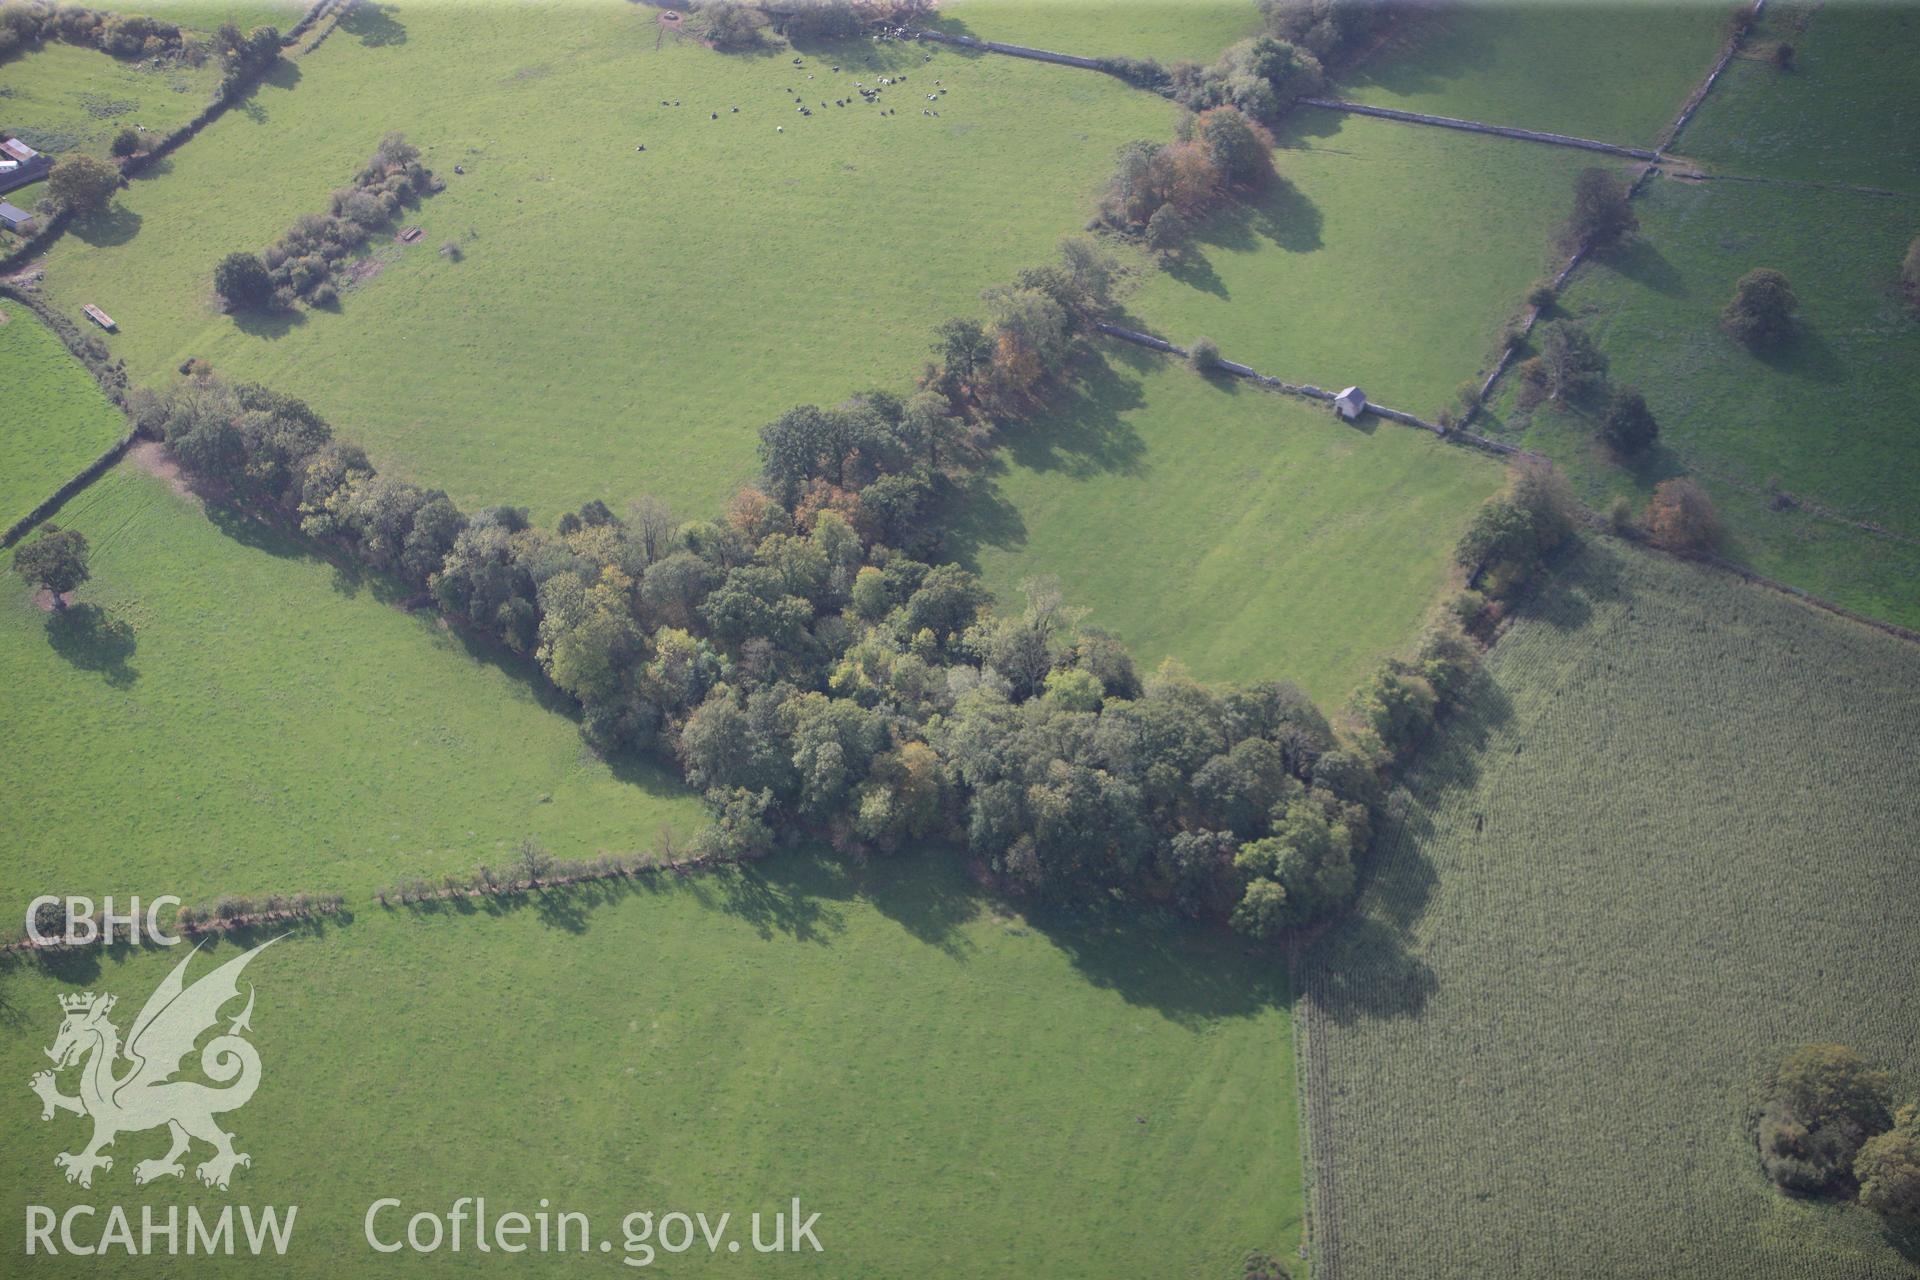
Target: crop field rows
{"points": [[1524, 1052]]}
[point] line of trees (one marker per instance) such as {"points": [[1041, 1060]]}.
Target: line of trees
{"points": [[741, 24], [1263, 76], [807, 674], [301, 264], [25, 23]]}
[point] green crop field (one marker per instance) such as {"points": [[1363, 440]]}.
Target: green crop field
{"points": [[65, 98], [1827, 417], [1249, 534], [1846, 112], [619, 322], [957, 1091], [1616, 71], [56, 419], [1355, 268], [1670, 839], [1196, 30], [223, 712]]}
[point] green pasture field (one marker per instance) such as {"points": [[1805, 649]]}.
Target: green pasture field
{"points": [[54, 419], [957, 1091], [1829, 416], [1617, 71], [207, 15], [1249, 534], [64, 98], [1391, 256], [1191, 30], [1669, 840], [1846, 113], [618, 322], [222, 712]]}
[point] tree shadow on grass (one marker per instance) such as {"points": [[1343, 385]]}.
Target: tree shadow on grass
{"points": [[85, 965], [92, 639], [1081, 429], [1187, 974], [1806, 356], [109, 227], [1366, 965], [374, 25], [271, 325], [1641, 261], [1196, 272]]}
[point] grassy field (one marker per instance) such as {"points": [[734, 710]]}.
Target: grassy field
{"points": [[1246, 533], [1828, 416], [1613, 71], [1846, 113], [223, 713], [1355, 269], [957, 1092], [65, 98], [1666, 843], [57, 419], [619, 322], [1195, 30]]}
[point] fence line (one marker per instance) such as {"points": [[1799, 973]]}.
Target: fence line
{"points": [[1475, 126], [1700, 92], [1011, 50], [1311, 392]]}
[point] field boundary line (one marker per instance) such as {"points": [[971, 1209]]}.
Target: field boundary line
{"points": [[1011, 50], [1476, 126], [68, 334], [1694, 99], [1312, 392], [73, 485], [223, 100], [1503, 449], [1700, 91]]}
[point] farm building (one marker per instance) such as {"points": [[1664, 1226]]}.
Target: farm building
{"points": [[1351, 403], [98, 316], [13, 219], [20, 164]]}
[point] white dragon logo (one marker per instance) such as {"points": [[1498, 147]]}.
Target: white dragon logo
{"points": [[147, 1095]]}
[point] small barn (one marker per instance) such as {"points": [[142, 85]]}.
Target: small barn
{"points": [[1351, 403], [14, 219], [98, 316], [20, 164]]}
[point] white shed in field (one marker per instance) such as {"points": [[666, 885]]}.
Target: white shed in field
{"points": [[1350, 403]]}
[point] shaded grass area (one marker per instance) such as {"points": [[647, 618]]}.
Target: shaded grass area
{"points": [[1845, 113], [1667, 842], [1246, 533], [1195, 30], [1829, 414], [956, 1090], [1617, 72], [619, 322], [1390, 256], [222, 712], [54, 419], [64, 98], [207, 15]]}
